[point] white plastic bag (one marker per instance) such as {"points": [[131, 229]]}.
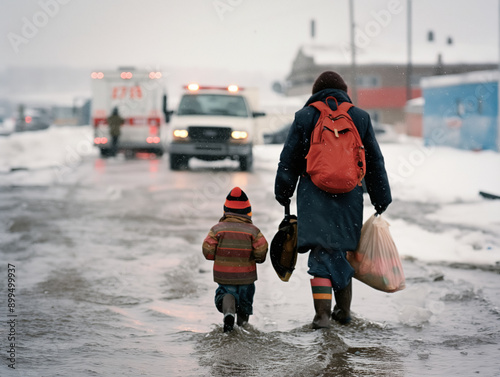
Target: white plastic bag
{"points": [[376, 261]]}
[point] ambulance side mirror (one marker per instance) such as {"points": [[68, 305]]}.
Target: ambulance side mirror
{"points": [[166, 112]]}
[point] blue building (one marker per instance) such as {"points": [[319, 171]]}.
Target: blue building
{"points": [[461, 111]]}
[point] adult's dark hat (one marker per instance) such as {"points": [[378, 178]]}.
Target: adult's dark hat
{"points": [[284, 246], [329, 80]]}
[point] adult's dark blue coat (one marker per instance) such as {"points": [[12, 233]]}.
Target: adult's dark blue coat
{"points": [[332, 221]]}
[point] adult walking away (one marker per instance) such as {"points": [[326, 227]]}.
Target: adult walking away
{"points": [[329, 225], [115, 121]]}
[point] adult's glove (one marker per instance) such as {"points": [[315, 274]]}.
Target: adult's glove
{"points": [[381, 208], [283, 200]]}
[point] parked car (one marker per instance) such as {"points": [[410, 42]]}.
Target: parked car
{"points": [[33, 119], [384, 133], [277, 137]]}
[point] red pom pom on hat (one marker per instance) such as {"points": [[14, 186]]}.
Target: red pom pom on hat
{"points": [[236, 192]]}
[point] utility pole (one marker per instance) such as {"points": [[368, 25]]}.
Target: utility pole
{"points": [[409, 46], [354, 87]]}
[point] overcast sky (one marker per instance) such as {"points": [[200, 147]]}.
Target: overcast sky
{"points": [[242, 35]]}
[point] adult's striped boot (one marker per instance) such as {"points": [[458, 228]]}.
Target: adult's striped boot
{"points": [[322, 295]]}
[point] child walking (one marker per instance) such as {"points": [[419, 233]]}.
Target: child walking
{"points": [[235, 245]]}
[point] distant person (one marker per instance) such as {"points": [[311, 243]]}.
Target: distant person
{"points": [[21, 123], [115, 121], [235, 245], [329, 225]]}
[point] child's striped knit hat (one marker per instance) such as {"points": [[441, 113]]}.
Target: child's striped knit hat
{"points": [[237, 202]]}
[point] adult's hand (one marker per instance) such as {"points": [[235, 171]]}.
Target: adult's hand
{"points": [[283, 200], [380, 208]]}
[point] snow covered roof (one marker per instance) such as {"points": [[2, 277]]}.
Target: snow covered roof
{"points": [[415, 105], [463, 78]]}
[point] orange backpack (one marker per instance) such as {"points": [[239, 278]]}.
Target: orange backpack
{"points": [[336, 158]]}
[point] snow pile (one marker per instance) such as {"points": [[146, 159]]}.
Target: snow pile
{"points": [[59, 148], [440, 174]]}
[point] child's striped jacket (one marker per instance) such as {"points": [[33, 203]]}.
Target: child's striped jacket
{"points": [[235, 245]]}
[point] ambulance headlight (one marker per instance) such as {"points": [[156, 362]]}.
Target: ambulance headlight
{"points": [[239, 135], [181, 134]]}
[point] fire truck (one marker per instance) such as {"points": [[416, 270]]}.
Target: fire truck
{"points": [[137, 94], [213, 123]]}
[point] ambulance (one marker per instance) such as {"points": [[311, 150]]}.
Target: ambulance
{"points": [[138, 95], [213, 123]]}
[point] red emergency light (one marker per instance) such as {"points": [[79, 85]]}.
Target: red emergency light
{"points": [[155, 75], [100, 140], [153, 140], [193, 87], [126, 75], [97, 75]]}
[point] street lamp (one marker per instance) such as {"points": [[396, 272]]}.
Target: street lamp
{"points": [[354, 86], [409, 47]]}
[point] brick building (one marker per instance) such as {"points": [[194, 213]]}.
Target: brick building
{"points": [[381, 88]]}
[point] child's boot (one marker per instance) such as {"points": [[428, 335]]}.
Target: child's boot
{"points": [[242, 319], [342, 310], [322, 295], [228, 309]]}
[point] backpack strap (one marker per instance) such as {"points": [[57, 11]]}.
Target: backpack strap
{"points": [[321, 106], [325, 107], [345, 106]]}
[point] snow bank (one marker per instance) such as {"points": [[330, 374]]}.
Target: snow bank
{"points": [[440, 174], [60, 148]]}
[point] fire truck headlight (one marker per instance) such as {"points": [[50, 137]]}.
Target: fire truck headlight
{"points": [[239, 135], [181, 134]]}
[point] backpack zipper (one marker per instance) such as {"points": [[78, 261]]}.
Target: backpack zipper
{"points": [[336, 131]]}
